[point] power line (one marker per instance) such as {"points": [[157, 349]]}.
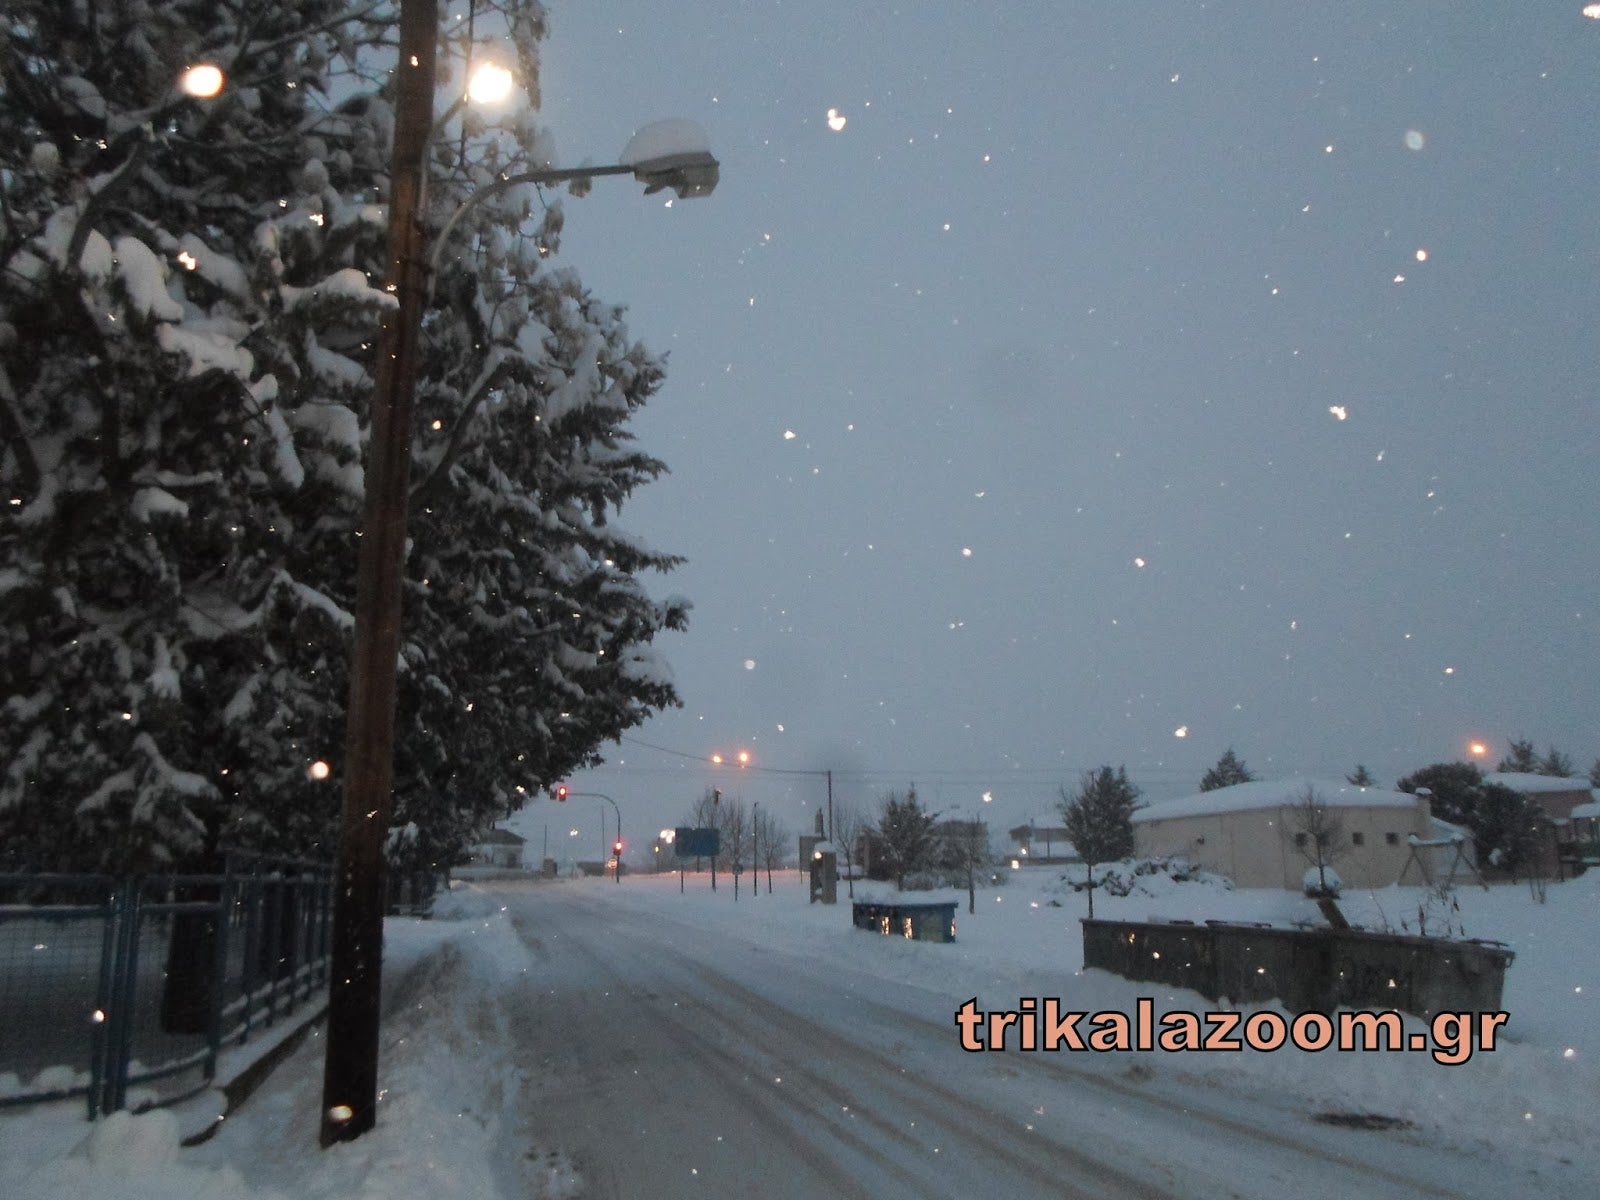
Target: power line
{"points": [[1035, 776]]}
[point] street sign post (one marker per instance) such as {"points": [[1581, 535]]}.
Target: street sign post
{"points": [[689, 841]]}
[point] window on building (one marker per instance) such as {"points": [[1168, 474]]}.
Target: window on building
{"points": [[1300, 840], [1358, 839], [1392, 838]]}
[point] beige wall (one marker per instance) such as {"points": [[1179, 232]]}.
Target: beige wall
{"points": [[1255, 847]]}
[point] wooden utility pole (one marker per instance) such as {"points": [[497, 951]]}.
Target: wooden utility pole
{"points": [[350, 1072]]}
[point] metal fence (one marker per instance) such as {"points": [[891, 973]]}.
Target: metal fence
{"points": [[108, 984]]}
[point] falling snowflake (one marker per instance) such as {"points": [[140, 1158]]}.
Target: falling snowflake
{"points": [[836, 120]]}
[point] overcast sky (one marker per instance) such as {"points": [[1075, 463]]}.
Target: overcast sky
{"points": [[1117, 383]]}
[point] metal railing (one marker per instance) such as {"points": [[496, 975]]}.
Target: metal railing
{"points": [[110, 984]]}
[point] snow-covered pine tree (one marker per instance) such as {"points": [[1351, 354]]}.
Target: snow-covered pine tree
{"points": [[1230, 769], [1556, 763], [142, 447], [1098, 817], [184, 495], [904, 836]]}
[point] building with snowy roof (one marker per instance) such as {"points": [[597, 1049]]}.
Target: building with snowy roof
{"points": [[499, 848], [1043, 843], [1556, 794], [1569, 805], [1252, 833]]}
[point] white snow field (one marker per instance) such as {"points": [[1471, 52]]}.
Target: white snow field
{"points": [[591, 1038]]}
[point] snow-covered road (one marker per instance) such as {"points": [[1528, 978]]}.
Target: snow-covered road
{"points": [[558, 1041], [671, 1058]]}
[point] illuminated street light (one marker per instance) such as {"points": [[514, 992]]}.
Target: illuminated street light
{"points": [[202, 81], [490, 84]]}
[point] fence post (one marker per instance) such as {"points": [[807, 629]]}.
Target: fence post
{"points": [[124, 980], [105, 990], [219, 970], [252, 940]]}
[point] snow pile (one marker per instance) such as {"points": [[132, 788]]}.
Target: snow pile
{"points": [[1144, 877], [128, 1158]]}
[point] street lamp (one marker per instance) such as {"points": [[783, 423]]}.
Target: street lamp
{"points": [[688, 173], [350, 1075], [618, 811]]}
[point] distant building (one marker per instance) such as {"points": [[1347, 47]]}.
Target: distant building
{"points": [[1556, 794], [1249, 831], [498, 848], [1042, 843]]}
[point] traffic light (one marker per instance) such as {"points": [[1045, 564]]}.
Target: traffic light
{"points": [[616, 848], [561, 792]]}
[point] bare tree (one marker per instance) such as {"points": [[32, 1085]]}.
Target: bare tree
{"points": [[1318, 835], [850, 829], [967, 851], [773, 836], [736, 831]]}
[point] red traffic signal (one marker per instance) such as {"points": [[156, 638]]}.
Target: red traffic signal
{"points": [[561, 792], [616, 848]]}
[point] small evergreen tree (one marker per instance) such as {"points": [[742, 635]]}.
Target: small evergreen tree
{"points": [[1360, 777], [1454, 790], [1230, 769], [905, 835], [1099, 819], [1594, 773], [1508, 829], [1555, 763], [1522, 760]]}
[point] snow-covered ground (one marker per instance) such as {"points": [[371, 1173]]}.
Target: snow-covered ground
{"points": [[493, 1089]]}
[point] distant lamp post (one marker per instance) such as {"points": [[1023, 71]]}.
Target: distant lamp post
{"points": [[350, 1073], [618, 847]]}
